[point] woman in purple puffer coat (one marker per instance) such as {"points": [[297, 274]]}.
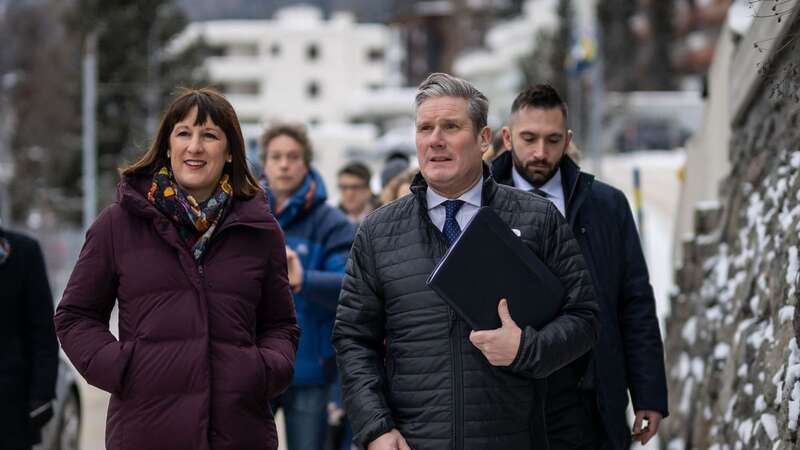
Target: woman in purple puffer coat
{"points": [[196, 263]]}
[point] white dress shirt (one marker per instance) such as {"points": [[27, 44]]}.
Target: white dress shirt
{"points": [[553, 188], [472, 202]]}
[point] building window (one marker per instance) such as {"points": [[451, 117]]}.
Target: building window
{"points": [[240, 88], [275, 49], [312, 89], [375, 55], [242, 49], [312, 52]]}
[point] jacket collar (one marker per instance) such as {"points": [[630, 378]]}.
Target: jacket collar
{"points": [[575, 183], [308, 196], [577, 186], [501, 168], [419, 187]]}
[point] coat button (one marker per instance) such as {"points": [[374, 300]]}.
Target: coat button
{"points": [[583, 230]]}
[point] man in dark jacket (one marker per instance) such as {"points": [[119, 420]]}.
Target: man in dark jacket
{"points": [[413, 374], [318, 239], [586, 400], [28, 346]]}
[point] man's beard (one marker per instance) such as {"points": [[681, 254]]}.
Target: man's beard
{"points": [[537, 179]]}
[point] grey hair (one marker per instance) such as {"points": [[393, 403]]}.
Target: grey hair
{"points": [[444, 85]]}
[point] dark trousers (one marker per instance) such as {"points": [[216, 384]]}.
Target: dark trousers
{"points": [[574, 422]]}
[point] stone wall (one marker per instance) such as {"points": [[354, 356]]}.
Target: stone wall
{"points": [[733, 362]]}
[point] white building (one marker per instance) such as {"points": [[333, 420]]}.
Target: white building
{"points": [[296, 66], [300, 67]]}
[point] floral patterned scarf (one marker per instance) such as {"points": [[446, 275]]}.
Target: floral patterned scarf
{"points": [[195, 221]]}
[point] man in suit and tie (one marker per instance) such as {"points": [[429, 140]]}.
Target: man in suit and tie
{"points": [[413, 374], [586, 401]]}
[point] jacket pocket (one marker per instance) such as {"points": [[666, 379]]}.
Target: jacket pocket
{"points": [[124, 382], [109, 365], [262, 372]]}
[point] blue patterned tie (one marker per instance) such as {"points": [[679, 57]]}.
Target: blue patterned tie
{"points": [[451, 229]]}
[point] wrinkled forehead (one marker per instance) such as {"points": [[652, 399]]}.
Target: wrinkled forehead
{"points": [[441, 108]]}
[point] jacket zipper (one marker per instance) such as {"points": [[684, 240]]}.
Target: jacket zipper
{"points": [[454, 328], [458, 389]]}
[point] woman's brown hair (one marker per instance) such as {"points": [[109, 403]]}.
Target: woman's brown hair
{"points": [[210, 105]]}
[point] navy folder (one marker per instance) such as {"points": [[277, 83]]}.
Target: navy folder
{"points": [[489, 262]]}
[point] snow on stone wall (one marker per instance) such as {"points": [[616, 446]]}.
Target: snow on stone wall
{"points": [[732, 338], [733, 359]]}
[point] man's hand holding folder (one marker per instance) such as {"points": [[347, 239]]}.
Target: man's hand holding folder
{"points": [[499, 346], [489, 262]]}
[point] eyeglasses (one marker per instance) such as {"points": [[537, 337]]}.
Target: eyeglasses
{"points": [[352, 187]]}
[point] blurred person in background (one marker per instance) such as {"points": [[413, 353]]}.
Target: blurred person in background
{"points": [[356, 201], [28, 345], [356, 197], [197, 266], [496, 148], [398, 186], [394, 164], [586, 400], [318, 239]]}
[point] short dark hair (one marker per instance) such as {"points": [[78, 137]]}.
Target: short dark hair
{"points": [[211, 105], [356, 169], [541, 96], [294, 131]]}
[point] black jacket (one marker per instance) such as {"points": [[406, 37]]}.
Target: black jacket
{"points": [[405, 358], [629, 354], [28, 345]]}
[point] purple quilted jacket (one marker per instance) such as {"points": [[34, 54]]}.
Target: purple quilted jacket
{"points": [[202, 348]]}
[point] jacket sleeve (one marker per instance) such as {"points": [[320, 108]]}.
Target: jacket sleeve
{"points": [[358, 338], [575, 330], [322, 286], [277, 332], [40, 332], [644, 351], [83, 314]]}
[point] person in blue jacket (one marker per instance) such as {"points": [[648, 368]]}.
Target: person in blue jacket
{"points": [[318, 240]]}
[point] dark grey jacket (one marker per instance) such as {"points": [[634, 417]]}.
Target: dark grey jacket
{"points": [[405, 358], [629, 353]]}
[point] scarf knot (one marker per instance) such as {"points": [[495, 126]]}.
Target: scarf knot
{"points": [[195, 221]]}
